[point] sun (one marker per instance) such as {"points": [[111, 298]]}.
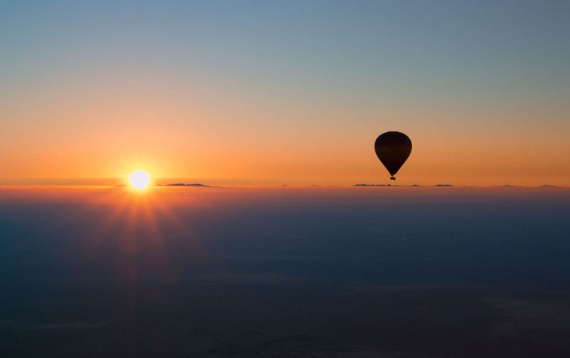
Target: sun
{"points": [[139, 179]]}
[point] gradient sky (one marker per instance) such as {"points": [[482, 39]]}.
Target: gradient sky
{"points": [[289, 91]]}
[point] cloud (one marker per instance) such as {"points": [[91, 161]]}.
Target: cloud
{"points": [[374, 185], [184, 184]]}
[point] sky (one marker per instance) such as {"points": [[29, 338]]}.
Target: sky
{"points": [[285, 92]]}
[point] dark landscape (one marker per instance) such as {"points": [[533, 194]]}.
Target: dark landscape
{"points": [[285, 272]]}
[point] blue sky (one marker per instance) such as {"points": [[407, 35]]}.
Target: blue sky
{"points": [[334, 67]]}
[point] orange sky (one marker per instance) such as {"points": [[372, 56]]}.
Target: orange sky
{"points": [[174, 139], [260, 100]]}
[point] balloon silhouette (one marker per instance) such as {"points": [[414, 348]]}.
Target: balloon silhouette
{"points": [[393, 148]]}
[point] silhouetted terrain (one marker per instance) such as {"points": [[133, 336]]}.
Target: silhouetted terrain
{"points": [[357, 272]]}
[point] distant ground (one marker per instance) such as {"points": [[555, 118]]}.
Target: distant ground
{"points": [[357, 272]]}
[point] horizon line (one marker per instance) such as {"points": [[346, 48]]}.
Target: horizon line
{"points": [[229, 182]]}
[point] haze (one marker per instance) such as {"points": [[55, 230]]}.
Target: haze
{"points": [[317, 272]]}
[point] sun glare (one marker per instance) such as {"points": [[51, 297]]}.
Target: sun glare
{"points": [[139, 179]]}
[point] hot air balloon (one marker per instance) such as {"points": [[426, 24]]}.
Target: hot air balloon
{"points": [[393, 148]]}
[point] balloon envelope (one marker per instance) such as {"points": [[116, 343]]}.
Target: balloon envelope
{"points": [[393, 148]]}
